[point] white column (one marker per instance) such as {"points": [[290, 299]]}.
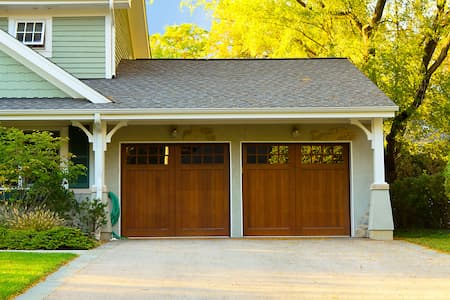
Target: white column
{"points": [[99, 140], [381, 223], [378, 151]]}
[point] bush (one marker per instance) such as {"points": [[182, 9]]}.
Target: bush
{"points": [[91, 215], [37, 218], [420, 202], [57, 238]]}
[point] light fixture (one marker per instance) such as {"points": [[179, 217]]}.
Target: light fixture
{"points": [[295, 132], [173, 132]]}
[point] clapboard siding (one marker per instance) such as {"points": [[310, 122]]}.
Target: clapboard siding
{"points": [[123, 41], [79, 45], [17, 81], [4, 24]]}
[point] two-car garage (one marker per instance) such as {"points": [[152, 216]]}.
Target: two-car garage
{"points": [[184, 189]]}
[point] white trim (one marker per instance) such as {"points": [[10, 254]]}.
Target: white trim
{"points": [[226, 115], [47, 51], [47, 70], [378, 151], [109, 46], [105, 3], [351, 200]]}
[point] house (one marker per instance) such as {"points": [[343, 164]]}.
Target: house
{"points": [[288, 147]]}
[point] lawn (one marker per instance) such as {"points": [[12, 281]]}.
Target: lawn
{"points": [[20, 270], [434, 239]]}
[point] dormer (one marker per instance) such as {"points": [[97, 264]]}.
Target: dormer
{"points": [[86, 38]]}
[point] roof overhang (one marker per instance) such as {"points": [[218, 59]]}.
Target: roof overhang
{"points": [[24, 4], [137, 18], [203, 115]]}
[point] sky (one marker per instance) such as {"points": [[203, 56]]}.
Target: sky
{"points": [[167, 12]]}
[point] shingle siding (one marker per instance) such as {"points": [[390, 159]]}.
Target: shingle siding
{"points": [[123, 41], [17, 81], [79, 45]]}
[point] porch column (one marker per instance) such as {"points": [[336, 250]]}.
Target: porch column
{"points": [[99, 140], [381, 223]]}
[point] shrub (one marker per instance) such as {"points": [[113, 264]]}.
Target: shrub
{"points": [[420, 202], [57, 238], [38, 219], [91, 215]]}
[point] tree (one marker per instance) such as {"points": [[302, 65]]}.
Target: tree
{"points": [[401, 45], [32, 170], [180, 41]]}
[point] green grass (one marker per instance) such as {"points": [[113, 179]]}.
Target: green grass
{"points": [[431, 238], [20, 270]]}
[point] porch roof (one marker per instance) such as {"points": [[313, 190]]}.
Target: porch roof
{"points": [[225, 84]]}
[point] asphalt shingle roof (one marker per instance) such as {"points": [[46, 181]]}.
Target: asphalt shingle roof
{"points": [[226, 84]]}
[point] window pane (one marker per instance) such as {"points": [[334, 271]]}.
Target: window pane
{"points": [[20, 36], [28, 37], [38, 27], [37, 37], [20, 27], [29, 27]]}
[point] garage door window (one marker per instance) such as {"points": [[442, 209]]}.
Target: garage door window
{"points": [[322, 154], [147, 154], [202, 154], [267, 154]]}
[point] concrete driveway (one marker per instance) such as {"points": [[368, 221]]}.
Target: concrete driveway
{"points": [[252, 269]]}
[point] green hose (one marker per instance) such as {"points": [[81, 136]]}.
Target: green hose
{"points": [[115, 212]]}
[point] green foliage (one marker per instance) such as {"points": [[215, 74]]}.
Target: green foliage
{"points": [[38, 218], [180, 41], [91, 215], [18, 271], [420, 202], [32, 170], [57, 238]]}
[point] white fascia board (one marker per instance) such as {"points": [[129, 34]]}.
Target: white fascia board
{"points": [[48, 70], [50, 4], [193, 115]]}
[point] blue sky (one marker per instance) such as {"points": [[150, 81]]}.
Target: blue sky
{"points": [[167, 12]]}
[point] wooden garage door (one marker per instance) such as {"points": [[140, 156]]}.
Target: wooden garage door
{"points": [[175, 190], [296, 189]]}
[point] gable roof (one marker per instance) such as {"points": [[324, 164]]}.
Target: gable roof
{"points": [[237, 86], [239, 83], [48, 70]]}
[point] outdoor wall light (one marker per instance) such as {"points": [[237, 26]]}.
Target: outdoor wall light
{"points": [[173, 132], [295, 132]]}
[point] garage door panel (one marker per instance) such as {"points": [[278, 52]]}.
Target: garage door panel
{"points": [[272, 217], [322, 204], [202, 205], [147, 210]]}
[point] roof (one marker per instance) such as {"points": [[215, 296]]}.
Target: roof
{"points": [[231, 84]]}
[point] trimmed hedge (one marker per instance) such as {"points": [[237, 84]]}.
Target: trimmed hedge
{"points": [[57, 238], [420, 202]]}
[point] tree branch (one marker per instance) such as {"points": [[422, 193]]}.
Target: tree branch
{"points": [[377, 14]]}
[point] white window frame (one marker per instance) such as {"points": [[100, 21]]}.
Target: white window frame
{"points": [[46, 48]]}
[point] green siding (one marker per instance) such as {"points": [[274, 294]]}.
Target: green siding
{"points": [[4, 24], [123, 41], [79, 45], [17, 81]]}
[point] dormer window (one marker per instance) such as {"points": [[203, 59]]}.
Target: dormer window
{"points": [[31, 33], [35, 32]]}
